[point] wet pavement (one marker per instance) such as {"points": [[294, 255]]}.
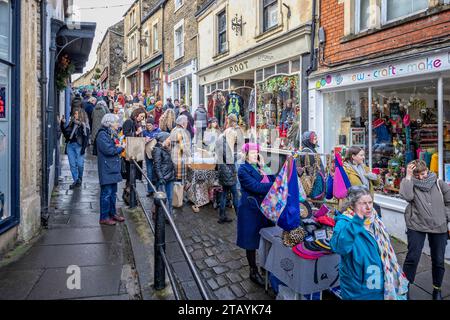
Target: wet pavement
{"points": [[74, 238]]}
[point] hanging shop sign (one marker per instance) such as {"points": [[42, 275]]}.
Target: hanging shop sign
{"points": [[425, 65]]}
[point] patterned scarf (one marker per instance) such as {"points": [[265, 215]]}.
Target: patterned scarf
{"points": [[395, 282]]}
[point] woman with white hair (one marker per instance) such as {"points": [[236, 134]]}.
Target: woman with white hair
{"points": [[108, 150]]}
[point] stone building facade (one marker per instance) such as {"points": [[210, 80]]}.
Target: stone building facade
{"points": [[180, 51], [108, 61]]}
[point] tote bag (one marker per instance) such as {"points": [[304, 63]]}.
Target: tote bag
{"points": [[178, 195]]}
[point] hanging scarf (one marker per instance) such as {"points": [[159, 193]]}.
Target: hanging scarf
{"points": [[395, 282], [426, 184]]}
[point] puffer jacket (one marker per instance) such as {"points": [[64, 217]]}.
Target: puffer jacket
{"points": [[163, 168], [226, 169], [426, 211], [201, 117]]}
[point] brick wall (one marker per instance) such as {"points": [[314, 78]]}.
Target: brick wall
{"points": [[399, 37]]}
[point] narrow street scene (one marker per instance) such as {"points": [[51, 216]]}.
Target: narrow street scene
{"points": [[224, 150]]}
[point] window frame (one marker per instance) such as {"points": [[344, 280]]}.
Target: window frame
{"points": [[265, 26], [178, 4], [155, 37], [357, 15], [177, 27], [223, 32], [148, 42], [384, 20]]}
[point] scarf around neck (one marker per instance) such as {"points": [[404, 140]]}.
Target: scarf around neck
{"points": [[359, 169], [395, 282], [427, 183]]}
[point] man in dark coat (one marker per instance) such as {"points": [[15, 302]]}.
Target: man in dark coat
{"points": [[190, 127]]}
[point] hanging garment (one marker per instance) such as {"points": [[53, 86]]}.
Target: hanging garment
{"points": [[434, 163], [234, 104]]}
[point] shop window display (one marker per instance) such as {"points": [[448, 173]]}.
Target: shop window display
{"points": [[278, 112], [447, 130], [405, 127]]}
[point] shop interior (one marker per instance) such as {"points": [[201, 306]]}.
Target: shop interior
{"points": [[404, 123]]}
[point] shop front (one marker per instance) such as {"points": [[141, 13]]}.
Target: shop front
{"points": [[397, 112], [152, 77], [182, 84], [104, 79], [267, 84], [132, 81]]}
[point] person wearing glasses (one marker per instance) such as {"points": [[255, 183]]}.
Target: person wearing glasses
{"points": [[427, 215], [369, 269]]}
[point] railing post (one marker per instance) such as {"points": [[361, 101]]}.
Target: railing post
{"points": [[160, 241], [133, 199]]}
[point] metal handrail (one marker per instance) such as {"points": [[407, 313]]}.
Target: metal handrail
{"points": [[191, 265], [163, 255]]}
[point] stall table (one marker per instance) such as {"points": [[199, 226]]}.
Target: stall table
{"points": [[301, 275], [200, 181]]}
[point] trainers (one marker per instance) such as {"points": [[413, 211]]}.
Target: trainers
{"points": [[74, 185], [118, 218], [108, 222]]}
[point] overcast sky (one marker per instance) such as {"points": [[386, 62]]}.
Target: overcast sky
{"points": [[104, 17]]}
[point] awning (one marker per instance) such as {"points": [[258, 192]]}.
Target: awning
{"points": [[76, 41], [131, 71], [152, 63]]}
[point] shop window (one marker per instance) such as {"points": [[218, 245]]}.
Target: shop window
{"points": [[220, 85], [446, 133], [396, 9], [226, 84], [268, 72], [182, 91], [5, 211], [283, 68], [222, 32], [259, 75], [213, 87], [295, 66], [270, 14], [237, 83], [398, 140], [5, 30], [278, 112], [362, 15], [345, 117]]}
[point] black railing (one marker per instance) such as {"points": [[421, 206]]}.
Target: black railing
{"points": [[162, 213]]}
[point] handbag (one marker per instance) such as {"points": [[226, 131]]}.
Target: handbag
{"points": [[307, 180], [341, 183], [318, 188], [123, 168], [178, 195]]}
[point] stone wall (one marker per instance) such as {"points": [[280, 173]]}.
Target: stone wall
{"points": [[115, 62]]}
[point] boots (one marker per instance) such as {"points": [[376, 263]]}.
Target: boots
{"points": [[256, 277], [223, 218], [437, 293]]}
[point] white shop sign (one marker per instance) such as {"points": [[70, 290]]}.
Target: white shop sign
{"points": [[425, 65]]}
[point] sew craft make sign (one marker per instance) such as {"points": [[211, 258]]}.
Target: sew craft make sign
{"points": [[425, 65]]}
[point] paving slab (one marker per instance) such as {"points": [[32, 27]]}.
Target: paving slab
{"points": [[425, 282], [95, 281], [16, 285], [78, 236]]}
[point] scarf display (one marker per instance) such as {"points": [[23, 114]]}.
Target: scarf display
{"points": [[427, 183], [395, 282]]}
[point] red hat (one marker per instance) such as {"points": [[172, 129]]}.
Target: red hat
{"points": [[326, 221]]}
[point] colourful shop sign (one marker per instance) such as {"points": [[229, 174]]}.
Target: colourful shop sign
{"points": [[429, 64]]}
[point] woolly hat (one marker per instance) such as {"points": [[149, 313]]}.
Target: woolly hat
{"points": [[150, 120], [246, 148], [100, 93], [162, 136]]}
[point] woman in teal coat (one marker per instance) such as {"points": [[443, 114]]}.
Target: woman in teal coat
{"points": [[369, 269]]}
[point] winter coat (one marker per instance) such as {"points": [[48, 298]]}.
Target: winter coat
{"points": [[81, 135], [158, 114], [163, 168], [359, 255], [426, 211], [355, 180], [108, 157], [97, 115], [226, 164], [201, 117], [129, 128], [250, 218]]}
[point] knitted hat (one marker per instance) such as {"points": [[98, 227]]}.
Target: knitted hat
{"points": [[246, 148], [150, 120], [162, 136]]}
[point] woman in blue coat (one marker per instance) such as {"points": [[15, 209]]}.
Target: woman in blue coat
{"points": [[256, 181], [109, 168], [369, 269]]}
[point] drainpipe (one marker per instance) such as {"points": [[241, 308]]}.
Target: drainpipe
{"points": [[312, 61], [44, 135]]}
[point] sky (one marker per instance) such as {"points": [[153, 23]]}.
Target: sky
{"points": [[104, 17]]}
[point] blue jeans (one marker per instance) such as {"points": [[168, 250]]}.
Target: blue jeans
{"points": [[223, 197], [149, 165], [169, 192], [76, 160], [108, 196]]}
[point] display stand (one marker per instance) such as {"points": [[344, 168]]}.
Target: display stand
{"points": [[302, 276]]}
